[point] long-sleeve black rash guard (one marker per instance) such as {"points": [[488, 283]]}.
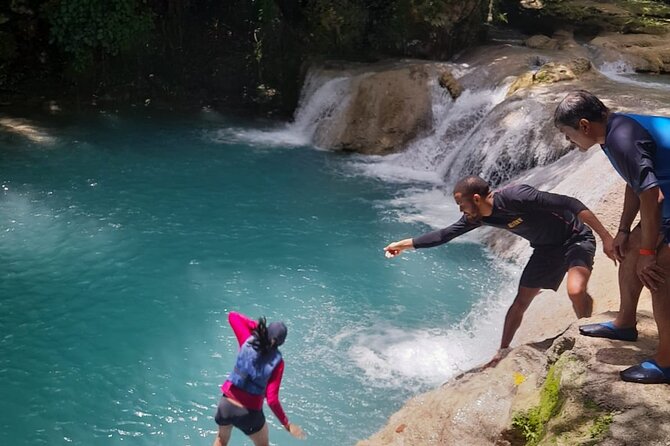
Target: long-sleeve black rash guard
{"points": [[542, 218]]}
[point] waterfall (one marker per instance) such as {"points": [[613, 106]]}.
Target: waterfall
{"points": [[482, 132], [485, 132], [322, 101]]}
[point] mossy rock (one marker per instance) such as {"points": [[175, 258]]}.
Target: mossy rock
{"points": [[562, 416], [449, 83], [550, 73]]}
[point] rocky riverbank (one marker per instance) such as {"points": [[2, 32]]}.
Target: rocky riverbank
{"points": [[554, 388]]}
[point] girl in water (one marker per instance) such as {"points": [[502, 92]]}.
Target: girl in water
{"points": [[257, 375]]}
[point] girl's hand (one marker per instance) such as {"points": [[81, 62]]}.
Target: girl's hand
{"points": [[296, 431]]}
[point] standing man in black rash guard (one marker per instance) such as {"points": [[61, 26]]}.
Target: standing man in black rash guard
{"points": [[554, 226]]}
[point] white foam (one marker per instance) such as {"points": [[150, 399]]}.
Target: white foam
{"points": [[389, 355], [284, 136]]}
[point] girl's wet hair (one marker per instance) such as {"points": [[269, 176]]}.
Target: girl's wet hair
{"points": [[261, 342], [577, 105]]}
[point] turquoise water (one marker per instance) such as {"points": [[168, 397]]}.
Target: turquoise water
{"points": [[127, 238]]}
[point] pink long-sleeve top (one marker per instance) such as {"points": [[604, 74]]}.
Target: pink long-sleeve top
{"points": [[243, 326]]}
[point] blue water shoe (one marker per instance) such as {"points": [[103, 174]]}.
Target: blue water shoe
{"points": [[609, 331], [647, 372]]}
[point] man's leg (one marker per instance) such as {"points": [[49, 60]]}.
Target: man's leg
{"points": [[223, 436], [582, 303], [515, 313], [630, 286], [657, 370], [661, 303]]}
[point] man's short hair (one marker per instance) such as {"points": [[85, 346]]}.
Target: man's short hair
{"points": [[471, 185], [579, 104]]}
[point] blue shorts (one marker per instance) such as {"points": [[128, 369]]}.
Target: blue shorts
{"points": [[665, 230]]}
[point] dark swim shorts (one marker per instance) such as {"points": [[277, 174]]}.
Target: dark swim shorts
{"points": [[548, 264], [247, 420]]}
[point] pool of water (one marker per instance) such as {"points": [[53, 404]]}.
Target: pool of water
{"points": [[127, 238]]}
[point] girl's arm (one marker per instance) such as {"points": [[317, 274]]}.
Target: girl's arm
{"points": [[272, 394], [242, 326]]}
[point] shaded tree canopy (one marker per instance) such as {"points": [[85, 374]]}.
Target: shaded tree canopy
{"points": [[248, 53]]}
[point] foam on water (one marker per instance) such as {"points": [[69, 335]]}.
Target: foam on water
{"points": [[389, 355]]}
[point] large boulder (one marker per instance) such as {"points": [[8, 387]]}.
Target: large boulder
{"points": [[386, 110]]}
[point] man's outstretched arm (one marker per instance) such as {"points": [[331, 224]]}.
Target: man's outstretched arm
{"points": [[430, 239]]}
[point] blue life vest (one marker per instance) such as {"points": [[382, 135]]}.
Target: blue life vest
{"points": [[659, 129], [252, 369]]}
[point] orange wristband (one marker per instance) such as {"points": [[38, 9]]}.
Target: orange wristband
{"points": [[647, 252]]}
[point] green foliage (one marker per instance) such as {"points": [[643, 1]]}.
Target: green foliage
{"points": [[85, 28], [431, 12], [337, 24], [7, 46], [601, 426], [531, 424]]}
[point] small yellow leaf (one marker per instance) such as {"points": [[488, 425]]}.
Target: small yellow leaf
{"points": [[518, 378]]}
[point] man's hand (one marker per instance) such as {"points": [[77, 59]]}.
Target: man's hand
{"points": [[620, 245], [499, 356], [608, 248], [396, 248], [650, 274]]}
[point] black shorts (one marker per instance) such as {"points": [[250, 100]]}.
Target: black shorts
{"points": [[247, 420], [548, 264]]}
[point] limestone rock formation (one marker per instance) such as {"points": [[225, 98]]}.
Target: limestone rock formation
{"points": [[387, 109], [645, 53], [573, 378]]}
